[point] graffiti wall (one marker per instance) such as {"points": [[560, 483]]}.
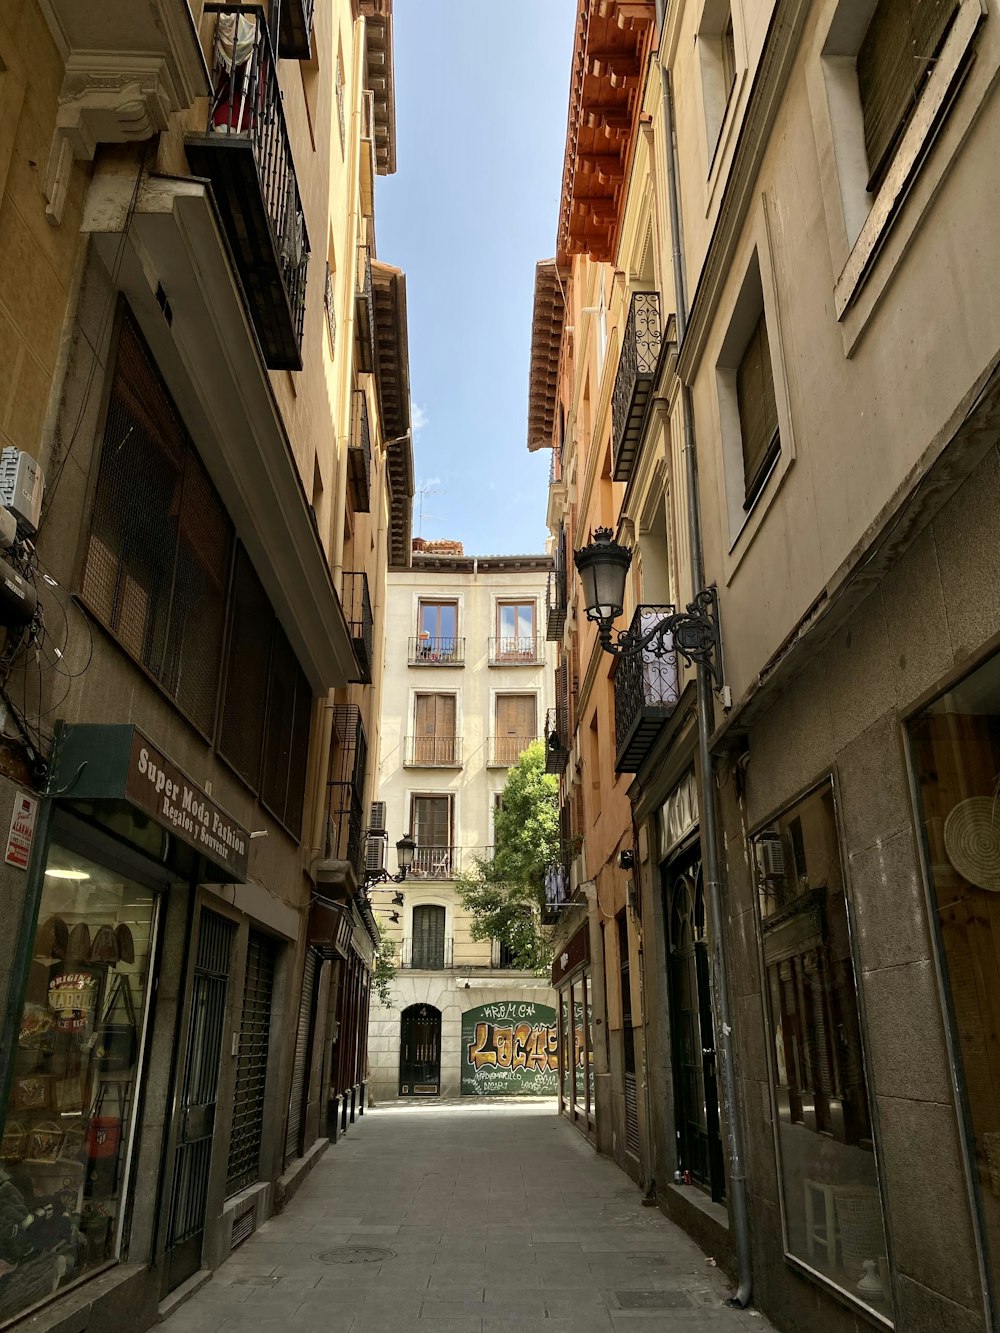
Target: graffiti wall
{"points": [[509, 1049]]}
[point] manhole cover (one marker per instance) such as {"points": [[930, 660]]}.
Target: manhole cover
{"points": [[653, 1300], [355, 1254]]}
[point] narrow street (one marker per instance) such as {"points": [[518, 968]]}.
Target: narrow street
{"points": [[465, 1219]]}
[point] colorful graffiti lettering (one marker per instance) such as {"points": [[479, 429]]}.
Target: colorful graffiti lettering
{"points": [[520, 1047], [509, 1047]]}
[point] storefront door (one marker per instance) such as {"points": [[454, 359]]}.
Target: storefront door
{"points": [[199, 1093]]}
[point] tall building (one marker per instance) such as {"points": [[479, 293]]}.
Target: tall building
{"points": [[466, 689], [808, 427], [205, 430]]}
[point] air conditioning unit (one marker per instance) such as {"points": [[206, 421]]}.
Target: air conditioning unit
{"points": [[21, 487], [375, 850], [772, 860]]}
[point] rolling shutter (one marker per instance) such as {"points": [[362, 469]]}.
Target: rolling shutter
{"points": [[300, 1063]]}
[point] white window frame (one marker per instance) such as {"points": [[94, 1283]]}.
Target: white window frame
{"points": [[718, 103]]}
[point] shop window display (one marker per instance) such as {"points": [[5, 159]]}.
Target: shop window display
{"points": [[69, 1118], [831, 1207]]}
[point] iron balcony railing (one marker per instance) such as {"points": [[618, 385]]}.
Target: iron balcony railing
{"points": [[345, 839], [634, 380], [646, 692], [295, 29], [520, 650], [436, 652], [359, 455], [556, 744], [557, 602], [427, 956], [358, 611], [433, 752], [435, 863], [504, 751], [246, 154], [364, 324]]}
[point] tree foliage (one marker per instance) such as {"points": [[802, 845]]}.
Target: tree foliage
{"points": [[505, 893], [384, 966]]}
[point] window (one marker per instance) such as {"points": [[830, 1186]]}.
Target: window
{"points": [[430, 822], [341, 120], [434, 739], [829, 1185], [628, 1037], [516, 631], [516, 724], [717, 57], [428, 949], [330, 301], [758, 411], [895, 59], [437, 628]]}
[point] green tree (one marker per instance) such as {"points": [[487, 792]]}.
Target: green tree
{"points": [[384, 967], [506, 893]]}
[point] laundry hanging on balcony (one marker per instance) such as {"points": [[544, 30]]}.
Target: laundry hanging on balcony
{"points": [[233, 109]]}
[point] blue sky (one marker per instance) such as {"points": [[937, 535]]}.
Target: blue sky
{"points": [[481, 101]]}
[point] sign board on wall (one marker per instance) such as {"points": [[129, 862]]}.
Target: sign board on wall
{"points": [[509, 1049], [22, 830]]}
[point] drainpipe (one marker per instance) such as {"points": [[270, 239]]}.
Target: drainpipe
{"points": [[710, 828]]}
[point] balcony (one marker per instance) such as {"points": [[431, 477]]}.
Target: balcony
{"points": [[436, 652], [504, 751], [646, 692], [634, 380], [556, 605], [556, 744], [345, 788], [433, 957], [295, 30], [359, 456], [358, 611], [522, 650], [433, 752], [435, 863], [364, 319], [246, 155]]}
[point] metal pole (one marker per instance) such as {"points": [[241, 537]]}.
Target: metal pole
{"points": [[709, 821]]}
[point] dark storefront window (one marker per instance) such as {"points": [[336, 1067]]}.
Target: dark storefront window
{"points": [[955, 746], [70, 1118], [829, 1185], [158, 574]]}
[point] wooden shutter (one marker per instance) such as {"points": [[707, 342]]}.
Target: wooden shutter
{"points": [[758, 411], [895, 57], [434, 727], [428, 936]]}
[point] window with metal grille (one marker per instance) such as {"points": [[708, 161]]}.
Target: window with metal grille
{"points": [[251, 1067], [159, 549], [758, 410], [346, 785], [895, 58], [428, 936]]}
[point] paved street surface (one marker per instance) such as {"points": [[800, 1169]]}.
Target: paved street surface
{"points": [[465, 1218]]}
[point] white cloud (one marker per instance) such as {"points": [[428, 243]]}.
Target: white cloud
{"points": [[418, 418]]}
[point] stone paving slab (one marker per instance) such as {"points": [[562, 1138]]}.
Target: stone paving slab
{"points": [[465, 1218]]}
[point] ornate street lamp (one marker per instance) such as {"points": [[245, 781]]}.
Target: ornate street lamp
{"points": [[405, 848], [603, 566]]}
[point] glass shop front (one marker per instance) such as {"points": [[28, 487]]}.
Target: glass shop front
{"points": [[571, 978]]}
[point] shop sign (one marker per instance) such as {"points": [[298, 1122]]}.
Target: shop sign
{"points": [[22, 830], [509, 1048], [679, 813], [117, 762], [577, 951]]}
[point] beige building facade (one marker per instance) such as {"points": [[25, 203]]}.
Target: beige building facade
{"points": [[466, 690]]}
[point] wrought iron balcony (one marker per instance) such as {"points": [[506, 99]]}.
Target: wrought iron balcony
{"points": [[519, 650], [436, 652], [346, 788], [556, 744], [634, 380], [358, 611], [558, 882], [427, 955], [359, 455], [557, 602], [646, 691], [246, 155], [433, 752], [364, 320], [504, 751], [295, 29], [435, 863]]}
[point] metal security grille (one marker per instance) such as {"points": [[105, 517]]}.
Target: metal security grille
{"points": [[158, 554], [300, 1062], [251, 1068], [346, 785], [631, 1116], [199, 1094]]}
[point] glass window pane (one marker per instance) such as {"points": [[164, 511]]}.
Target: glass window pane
{"points": [[508, 622], [70, 1113], [525, 621], [829, 1183]]}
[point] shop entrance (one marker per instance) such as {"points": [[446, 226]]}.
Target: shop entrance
{"points": [[199, 1093], [692, 1033], [420, 1051]]}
